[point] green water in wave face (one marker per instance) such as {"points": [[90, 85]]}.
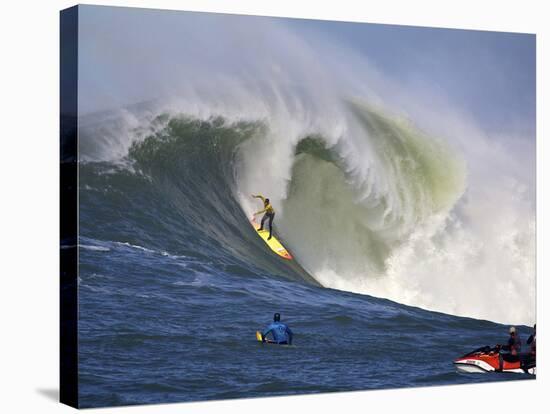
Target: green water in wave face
{"points": [[337, 223], [186, 142], [324, 221], [190, 166], [429, 175]]}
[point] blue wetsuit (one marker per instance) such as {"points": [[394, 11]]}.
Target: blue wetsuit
{"points": [[280, 331]]}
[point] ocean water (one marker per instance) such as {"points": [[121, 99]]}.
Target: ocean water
{"points": [[174, 282]]}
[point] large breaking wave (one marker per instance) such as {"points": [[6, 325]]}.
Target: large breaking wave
{"points": [[381, 208], [366, 200]]}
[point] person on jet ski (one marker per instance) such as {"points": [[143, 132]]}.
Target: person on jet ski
{"points": [[513, 346], [530, 358], [532, 340], [281, 333], [511, 350]]}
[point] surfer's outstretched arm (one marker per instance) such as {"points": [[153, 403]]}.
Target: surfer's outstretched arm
{"points": [[259, 196]]}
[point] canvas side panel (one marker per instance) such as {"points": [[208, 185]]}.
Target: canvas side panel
{"points": [[69, 206]]}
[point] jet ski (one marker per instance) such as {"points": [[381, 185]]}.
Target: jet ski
{"points": [[487, 359]]}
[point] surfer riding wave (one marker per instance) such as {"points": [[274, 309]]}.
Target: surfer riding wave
{"points": [[269, 214]]}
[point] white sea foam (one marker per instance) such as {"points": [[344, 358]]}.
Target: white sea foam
{"points": [[94, 248]]}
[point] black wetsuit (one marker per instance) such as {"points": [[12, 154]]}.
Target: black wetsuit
{"points": [[270, 217], [532, 340]]}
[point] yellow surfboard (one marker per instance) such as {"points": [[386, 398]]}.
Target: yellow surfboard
{"points": [[273, 243], [267, 341]]}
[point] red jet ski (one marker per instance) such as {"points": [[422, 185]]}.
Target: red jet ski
{"points": [[487, 359]]}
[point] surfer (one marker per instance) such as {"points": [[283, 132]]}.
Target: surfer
{"points": [[269, 214], [281, 333]]}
